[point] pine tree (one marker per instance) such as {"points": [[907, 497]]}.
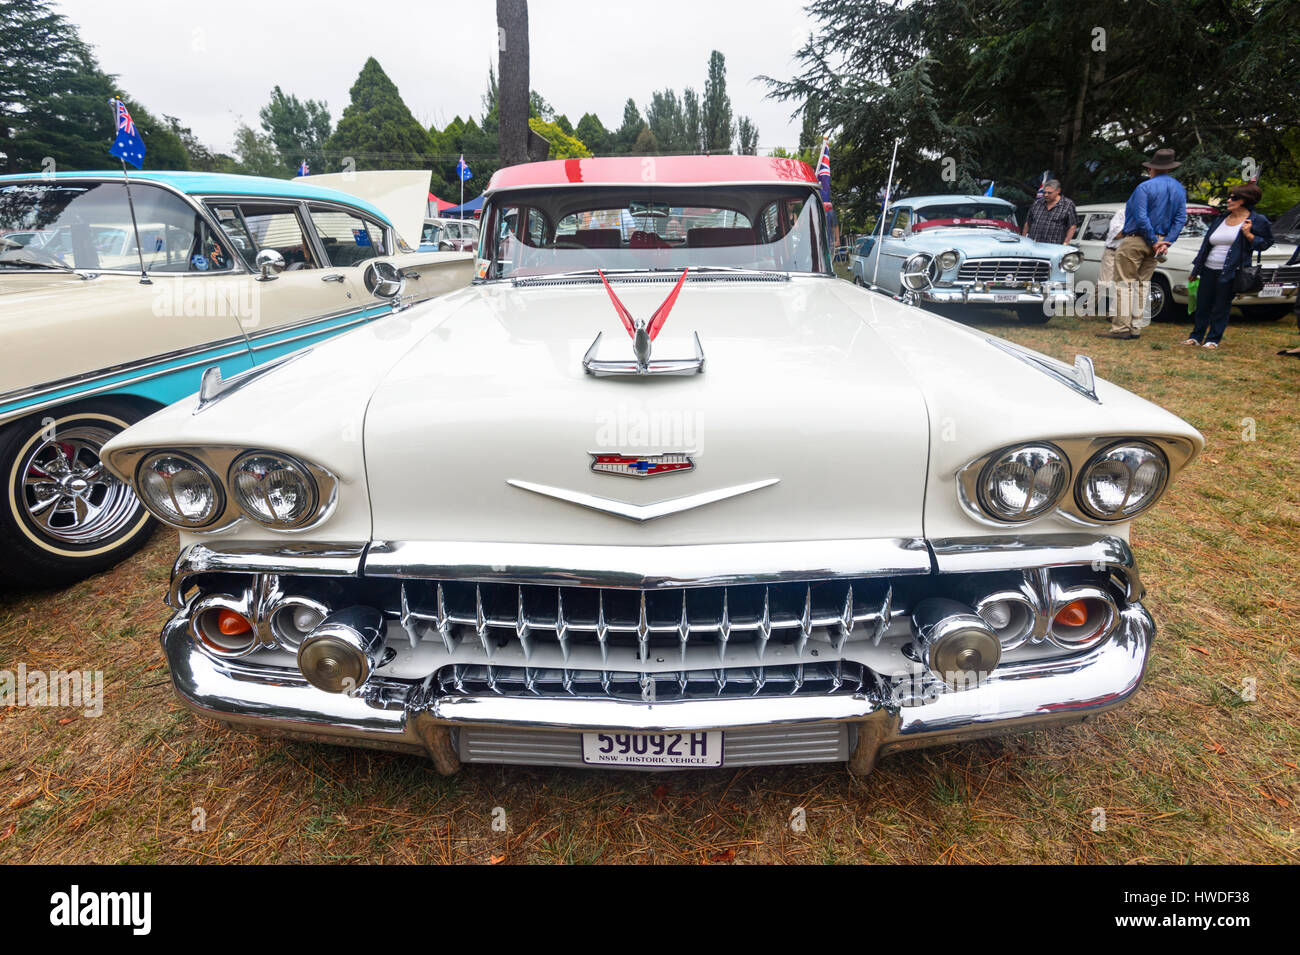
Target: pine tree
{"points": [[593, 133], [377, 129], [626, 135], [717, 126], [746, 137]]}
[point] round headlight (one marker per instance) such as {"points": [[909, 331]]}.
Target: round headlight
{"points": [[1071, 261], [273, 489], [1122, 481], [916, 271], [948, 260], [179, 490], [1023, 483]]}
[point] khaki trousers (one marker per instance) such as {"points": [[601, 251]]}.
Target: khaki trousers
{"points": [[1135, 263], [1106, 284]]}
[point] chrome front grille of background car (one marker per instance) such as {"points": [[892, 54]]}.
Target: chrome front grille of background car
{"points": [[994, 271], [660, 620], [1283, 273], [821, 679]]}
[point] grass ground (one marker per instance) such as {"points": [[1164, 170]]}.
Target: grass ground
{"points": [[1188, 772]]}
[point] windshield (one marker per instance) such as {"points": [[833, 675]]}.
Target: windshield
{"points": [[980, 215], [1198, 223], [549, 232], [87, 225]]}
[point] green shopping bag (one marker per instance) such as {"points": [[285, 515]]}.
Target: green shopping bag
{"points": [[1192, 286]]}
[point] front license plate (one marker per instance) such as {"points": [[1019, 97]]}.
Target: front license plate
{"points": [[653, 749], [1271, 291], [1006, 297]]}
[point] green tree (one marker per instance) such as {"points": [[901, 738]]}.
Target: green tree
{"points": [[256, 154], [1008, 88], [198, 155], [625, 136], [593, 132], [299, 128], [667, 123], [692, 122], [746, 137], [377, 129], [716, 123], [563, 146], [645, 144]]}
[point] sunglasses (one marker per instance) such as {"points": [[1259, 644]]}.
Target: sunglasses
{"points": [[1233, 195]]}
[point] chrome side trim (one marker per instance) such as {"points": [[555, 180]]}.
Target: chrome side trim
{"points": [[1080, 378], [641, 512], [647, 568]]}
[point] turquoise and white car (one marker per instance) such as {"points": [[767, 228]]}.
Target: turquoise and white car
{"points": [[238, 271], [965, 250]]}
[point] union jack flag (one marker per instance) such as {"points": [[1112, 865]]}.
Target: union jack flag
{"points": [[127, 146], [824, 171]]}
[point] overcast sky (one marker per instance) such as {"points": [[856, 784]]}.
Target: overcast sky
{"points": [[211, 64]]}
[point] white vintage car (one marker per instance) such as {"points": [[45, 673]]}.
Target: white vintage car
{"points": [[675, 499], [1169, 282]]}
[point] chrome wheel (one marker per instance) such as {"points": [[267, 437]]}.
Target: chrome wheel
{"points": [[68, 493]]}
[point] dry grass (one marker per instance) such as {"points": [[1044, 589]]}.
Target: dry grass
{"points": [[1188, 772]]}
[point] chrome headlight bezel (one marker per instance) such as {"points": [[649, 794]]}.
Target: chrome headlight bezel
{"points": [[1108, 454], [1071, 261], [1051, 455], [287, 463], [948, 260]]}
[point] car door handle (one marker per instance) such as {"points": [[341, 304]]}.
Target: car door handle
{"points": [[408, 274], [332, 277]]}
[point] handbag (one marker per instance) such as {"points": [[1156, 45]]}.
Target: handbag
{"points": [[1249, 278], [1193, 287]]}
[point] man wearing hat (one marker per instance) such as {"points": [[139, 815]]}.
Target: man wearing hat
{"points": [[1153, 217]]}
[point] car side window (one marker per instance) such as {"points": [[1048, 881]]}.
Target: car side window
{"points": [[901, 219], [349, 239], [1096, 226], [254, 226]]}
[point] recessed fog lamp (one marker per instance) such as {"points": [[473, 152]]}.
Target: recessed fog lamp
{"points": [[341, 653], [954, 642], [1023, 483], [1122, 481], [223, 624]]}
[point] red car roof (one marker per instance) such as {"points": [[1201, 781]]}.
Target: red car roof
{"points": [[642, 170]]}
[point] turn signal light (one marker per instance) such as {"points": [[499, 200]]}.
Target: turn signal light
{"points": [[1073, 614], [232, 624]]}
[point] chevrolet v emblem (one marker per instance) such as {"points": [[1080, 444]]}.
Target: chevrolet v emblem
{"points": [[641, 512]]}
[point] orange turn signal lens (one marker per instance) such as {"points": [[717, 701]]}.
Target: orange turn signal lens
{"points": [[233, 624], [1073, 614]]}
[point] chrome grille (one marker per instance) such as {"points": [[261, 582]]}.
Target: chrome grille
{"points": [[1283, 273], [671, 619], [994, 271], [820, 679]]}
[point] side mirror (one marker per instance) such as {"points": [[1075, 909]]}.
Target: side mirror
{"points": [[383, 280], [896, 233], [269, 262]]}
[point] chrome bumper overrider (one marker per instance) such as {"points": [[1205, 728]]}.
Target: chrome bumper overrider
{"points": [[860, 726]]}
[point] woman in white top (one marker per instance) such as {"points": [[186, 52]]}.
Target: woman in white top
{"points": [[1229, 244]]}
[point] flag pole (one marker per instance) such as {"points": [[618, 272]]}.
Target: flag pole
{"points": [[130, 202], [884, 209]]}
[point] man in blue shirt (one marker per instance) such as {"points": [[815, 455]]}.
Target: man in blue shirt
{"points": [[1153, 218]]}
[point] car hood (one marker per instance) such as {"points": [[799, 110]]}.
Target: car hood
{"points": [[796, 388], [984, 242]]}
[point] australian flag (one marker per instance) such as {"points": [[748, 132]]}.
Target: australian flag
{"points": [[128, 146], [304, 169], [462, 169], [824, 172]]}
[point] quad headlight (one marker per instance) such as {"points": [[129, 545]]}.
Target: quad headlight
{"points": [[179, 490], [1023, 482], [1071, 261], [1122, 480], [274, 489]]}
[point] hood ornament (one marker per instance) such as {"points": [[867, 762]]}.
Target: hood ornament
{"points": [[643, 333]]}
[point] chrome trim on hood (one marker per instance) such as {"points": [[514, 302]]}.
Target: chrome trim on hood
{"points": [[641, 512]]}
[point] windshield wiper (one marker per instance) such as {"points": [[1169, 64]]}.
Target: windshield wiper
{"points": [[37, 264]]}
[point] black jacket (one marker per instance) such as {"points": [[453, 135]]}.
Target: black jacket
{"points": [[1238, 254]]}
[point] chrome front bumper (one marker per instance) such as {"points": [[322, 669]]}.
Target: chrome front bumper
{"points": [[964, 295], [858, 727]]}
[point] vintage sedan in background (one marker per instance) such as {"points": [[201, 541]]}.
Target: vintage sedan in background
{"points": [[965, 250], [241, 271], [449, 235], [680, 498], [1169, 282]]}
